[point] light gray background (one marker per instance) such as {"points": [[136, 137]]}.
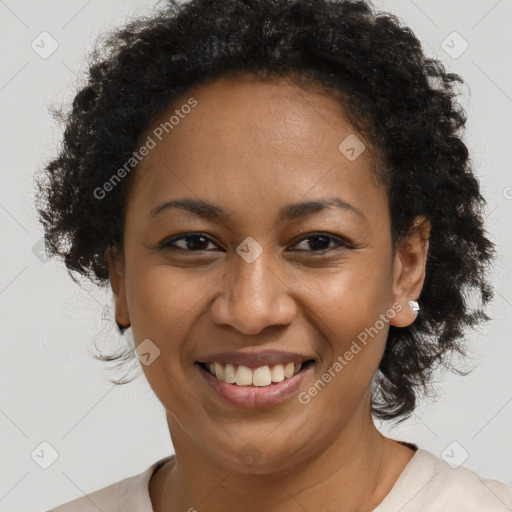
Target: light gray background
{"points": [[52, 390]]}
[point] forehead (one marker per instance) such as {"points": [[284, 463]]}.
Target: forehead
{"points": [[271, 140], [275, 111]]}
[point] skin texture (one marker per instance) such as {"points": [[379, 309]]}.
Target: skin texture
{"points": [[253, 148]]}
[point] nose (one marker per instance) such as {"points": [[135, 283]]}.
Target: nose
{"points": [[253, 297]]}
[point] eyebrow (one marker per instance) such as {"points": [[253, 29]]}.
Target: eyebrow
{"points": [[289, 212]]}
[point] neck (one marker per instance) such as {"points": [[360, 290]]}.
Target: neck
{"points": [[355, 471]]}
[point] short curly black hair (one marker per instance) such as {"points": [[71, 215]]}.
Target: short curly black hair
{"points": [[401, 102]]}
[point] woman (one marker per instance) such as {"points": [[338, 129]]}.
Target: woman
{"points": [[279, 197]]}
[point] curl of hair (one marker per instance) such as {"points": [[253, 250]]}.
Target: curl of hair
{"points": [[400, 101]]}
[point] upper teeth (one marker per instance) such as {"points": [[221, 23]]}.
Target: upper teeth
{"points": [[245, 376]]}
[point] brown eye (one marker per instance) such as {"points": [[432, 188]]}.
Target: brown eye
{"points": [[322, 241], [197, 242], [192, 242]]}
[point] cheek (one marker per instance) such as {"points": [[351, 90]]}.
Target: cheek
{"points": [[354, 344], [353, 297], [163, 306], [164, 301], [352, 310]]}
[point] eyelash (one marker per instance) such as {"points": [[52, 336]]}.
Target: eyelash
{"points": [[167, 244]]}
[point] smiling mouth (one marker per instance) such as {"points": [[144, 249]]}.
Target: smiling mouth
{"points": [[262, 376]]}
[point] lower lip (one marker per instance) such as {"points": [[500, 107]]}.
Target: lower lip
{"points": [[254, 397]]}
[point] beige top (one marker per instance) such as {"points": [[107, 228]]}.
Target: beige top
{"points": [[427, 484]]}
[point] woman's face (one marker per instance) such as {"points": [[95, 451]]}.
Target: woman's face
{"points": [[255, 280]]}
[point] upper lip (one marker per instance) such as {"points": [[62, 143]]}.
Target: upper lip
{"points": [[255, 359]]}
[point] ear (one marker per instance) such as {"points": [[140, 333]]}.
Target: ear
{"points": [[115, 261], [409, 271]]}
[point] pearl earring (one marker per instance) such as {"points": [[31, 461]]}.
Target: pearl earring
{"points": [[414, 305]]}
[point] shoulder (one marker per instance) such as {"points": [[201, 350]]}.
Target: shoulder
{"points": [[430, 484], [129, 494], [102, 499]]}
